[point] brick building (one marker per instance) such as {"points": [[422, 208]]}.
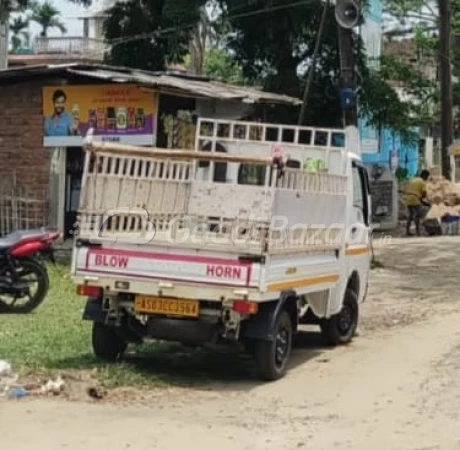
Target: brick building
{"points": [[426, 63], [41, 175], [406, 50]]}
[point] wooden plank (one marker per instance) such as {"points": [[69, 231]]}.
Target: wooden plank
{"points": [[142, 152]]}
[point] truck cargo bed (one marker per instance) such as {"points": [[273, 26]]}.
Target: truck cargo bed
{"points": [[169, 197]]}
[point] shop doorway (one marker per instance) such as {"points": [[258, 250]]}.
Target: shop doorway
{"points": [[169, 106], [74, 173]]}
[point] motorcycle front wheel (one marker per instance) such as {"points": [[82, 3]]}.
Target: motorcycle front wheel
{"points": [[29, 287]]}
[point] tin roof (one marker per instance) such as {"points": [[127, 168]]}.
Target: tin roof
{"points": [[171, 82]]}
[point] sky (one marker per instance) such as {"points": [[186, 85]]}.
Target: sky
{"points": [[69, 12]]}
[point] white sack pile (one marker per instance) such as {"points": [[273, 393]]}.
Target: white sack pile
{"points": [[444, 197]]}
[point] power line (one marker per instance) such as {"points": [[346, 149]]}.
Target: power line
{"points": [[119, 41], [313, 63], [152, 34]]}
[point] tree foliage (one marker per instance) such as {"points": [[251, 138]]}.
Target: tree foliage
{"points": [[11, 6], [264, 43], [19, 32], [47, 16], [276, 47], [220, 65], [421, 17], [148, 34]]}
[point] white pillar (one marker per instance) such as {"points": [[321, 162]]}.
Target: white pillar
{"points": [[352, 139], [4, 28], [429, 152]]}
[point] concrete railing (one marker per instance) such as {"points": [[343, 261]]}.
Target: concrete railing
{"points": [[69, 45]]}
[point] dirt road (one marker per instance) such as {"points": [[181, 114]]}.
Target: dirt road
{"points": [[396, 387]]}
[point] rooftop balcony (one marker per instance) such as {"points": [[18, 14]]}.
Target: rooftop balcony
{"points": [[76, 46]]}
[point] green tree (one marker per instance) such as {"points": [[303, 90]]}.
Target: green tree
{"points": [[274, 44], [47, 16], [6, 8], [220, 65], [422, 18], [262, 42], [149, 34], [202, 36], [10, 6], [19, 33]]}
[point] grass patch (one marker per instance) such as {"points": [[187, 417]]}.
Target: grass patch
{"points": [[54, 339]]}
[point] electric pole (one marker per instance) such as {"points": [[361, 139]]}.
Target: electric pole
{"points": [[445, 70], [348, 78], [347, 15]]}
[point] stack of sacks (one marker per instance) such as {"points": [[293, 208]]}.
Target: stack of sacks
{"points": [[444, 197]]}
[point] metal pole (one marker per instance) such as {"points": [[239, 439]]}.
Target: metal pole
{"points": [[347, 72], [446, 84]]}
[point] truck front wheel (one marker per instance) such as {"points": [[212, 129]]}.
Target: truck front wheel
{"points": [[272, 356], [107, 343], [341, 328]]}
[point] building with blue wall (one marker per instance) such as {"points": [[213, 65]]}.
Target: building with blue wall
{"points": [[379, 147], [390, 145]]}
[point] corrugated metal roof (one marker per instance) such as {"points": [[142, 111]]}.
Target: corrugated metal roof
{"points": [[196, 86]]}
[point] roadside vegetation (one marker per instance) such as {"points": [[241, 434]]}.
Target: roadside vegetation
{"points": [[54, 340]]}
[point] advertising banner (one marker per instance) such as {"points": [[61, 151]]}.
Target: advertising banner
{"points": [[117, 113]]}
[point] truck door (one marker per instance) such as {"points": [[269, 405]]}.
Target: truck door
{"points": [[358, 252]]}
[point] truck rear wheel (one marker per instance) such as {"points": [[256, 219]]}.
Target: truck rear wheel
{"points": [[107, 343], [272, 356], [341, 328]]}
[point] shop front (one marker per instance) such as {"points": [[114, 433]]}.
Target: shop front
{"points": [[116, 113], [47, 110]]}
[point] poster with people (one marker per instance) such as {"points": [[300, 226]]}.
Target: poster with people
{"points": [[116, 113]]}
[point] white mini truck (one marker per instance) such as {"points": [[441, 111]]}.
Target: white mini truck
{"points": [[257, 230]]}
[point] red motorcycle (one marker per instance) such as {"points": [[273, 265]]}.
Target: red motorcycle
{"points": [[22, 269]]}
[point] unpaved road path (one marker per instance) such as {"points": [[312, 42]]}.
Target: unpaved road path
{"points": [[396, 387]]}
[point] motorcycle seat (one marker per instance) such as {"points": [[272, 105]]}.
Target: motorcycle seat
{"points": [[11, 239]]}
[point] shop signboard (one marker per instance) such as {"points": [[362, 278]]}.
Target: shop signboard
{"points": [[117, 113]]}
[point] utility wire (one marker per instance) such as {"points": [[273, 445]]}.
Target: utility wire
{"points": [[152, 34], [312, 68]]}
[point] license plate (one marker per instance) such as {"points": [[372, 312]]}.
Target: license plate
{"points": [[166, 306]]}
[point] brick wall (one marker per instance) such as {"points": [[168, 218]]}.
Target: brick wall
{"points": [[21, 138]]}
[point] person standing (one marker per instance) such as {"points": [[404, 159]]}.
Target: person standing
{"points": [[415, 196]]}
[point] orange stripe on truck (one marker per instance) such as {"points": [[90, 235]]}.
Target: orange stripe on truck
{"points": [[302, 282], [357, 251]]}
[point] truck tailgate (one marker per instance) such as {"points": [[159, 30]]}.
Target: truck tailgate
{"points": [[168, 266]]}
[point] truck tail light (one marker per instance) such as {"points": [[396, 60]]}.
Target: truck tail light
{"points": [[245, 307], [89, 291]]}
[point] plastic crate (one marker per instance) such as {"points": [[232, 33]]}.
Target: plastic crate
{"points": [[450, 225]]}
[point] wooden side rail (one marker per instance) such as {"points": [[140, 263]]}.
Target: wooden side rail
{"points": [[119, 150]]}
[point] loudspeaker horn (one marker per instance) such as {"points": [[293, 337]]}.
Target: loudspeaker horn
{"points": [[347, 13]]}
